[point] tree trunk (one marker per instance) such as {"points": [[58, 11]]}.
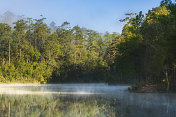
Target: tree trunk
{"points": [[43, 41], [30, 31], [49, 56], [81, 56], [174, 79], [20, 53], [27, 59], [9, 53], [9, 110], [3, 61], [167, 79], [35, 44], [53, 59], [75, 57]]}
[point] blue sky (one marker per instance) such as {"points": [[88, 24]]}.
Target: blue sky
{"points": [[99, 15]]}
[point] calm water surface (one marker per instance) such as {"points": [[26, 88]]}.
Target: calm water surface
{"points": [[83, 100]]}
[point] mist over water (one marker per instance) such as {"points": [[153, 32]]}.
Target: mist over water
{"points": [[60, 89], [84, 100]]}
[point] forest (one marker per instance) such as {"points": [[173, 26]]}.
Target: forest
{"points": [[144, 53]]}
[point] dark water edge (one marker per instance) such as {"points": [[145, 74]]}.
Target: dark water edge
{"points": [[83, 100]]}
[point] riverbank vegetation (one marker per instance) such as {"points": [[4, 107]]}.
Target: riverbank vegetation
{"points": [[144, 53]]}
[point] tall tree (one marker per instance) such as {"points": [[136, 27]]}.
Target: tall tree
{"points": [[5, 39]]}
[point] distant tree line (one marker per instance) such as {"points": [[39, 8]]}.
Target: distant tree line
{"points": [[31, 51], [144, 52]]}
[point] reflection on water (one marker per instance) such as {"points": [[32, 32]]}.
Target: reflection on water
{"points": [[56, 106], [82, 100]]}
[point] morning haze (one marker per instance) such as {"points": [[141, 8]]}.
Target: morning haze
{"points": [[91, 58], [101, 15]]}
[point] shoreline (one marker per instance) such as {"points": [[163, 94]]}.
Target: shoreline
{"points": [[148, 89]]}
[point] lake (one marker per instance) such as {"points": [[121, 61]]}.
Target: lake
{"points": [[82, 100]]}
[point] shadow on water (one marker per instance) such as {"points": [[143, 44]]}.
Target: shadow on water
{"points": [[82, 100]]}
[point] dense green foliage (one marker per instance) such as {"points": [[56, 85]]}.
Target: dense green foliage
{"points": [[144, 52], [147, 50], [32, 52]]}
